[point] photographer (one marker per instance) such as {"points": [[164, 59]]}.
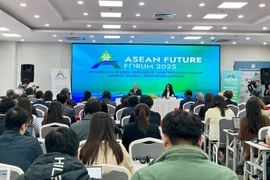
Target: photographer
{"points": [[255, 87]]}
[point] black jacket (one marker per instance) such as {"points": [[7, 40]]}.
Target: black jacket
{"points": [[68, 111], [56, 166], [138, 92], [154, 118], [228, 101]]}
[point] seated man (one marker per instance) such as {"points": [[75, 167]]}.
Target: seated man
{"points": [[61, 161], [15, 148], [66, 110], [183, 156], [70, 102], [40, 99], [10, 93], [188, 95], [81, 128], [154, 116], [5, 105], [135, 91], [199, 101], [228, 94], [107, 98], [30, 94], [132, 102]]}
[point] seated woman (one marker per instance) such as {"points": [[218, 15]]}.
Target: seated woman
{"points": [[48, 96], [55, 114], [101, 146], [87, 96], [141, 128], [207, 102], [251, 124], [168, 92]]}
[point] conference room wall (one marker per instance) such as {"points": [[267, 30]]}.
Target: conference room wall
{"points": [[46, 56]]}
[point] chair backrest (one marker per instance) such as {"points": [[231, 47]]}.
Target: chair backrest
{"points": [[111, 172], [84, 102], [81, 114], [13, 172], [234, 108], [242, 106], [196, 110], [42, 107], [263, 132], [111, 109], [48, 102], [187, 105], [224, 123], [45, 129], [40, 113], [242, 113], [119, 113], [125, 121], [149, 147], [78, 108], [67, 118]]}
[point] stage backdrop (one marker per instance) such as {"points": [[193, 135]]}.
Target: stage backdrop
{"points": [[116, 67]]}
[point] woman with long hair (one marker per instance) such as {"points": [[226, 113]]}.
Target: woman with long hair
{"points": [[168, 92], [251, 124], [217, 110], [48, 96], [207, 103], [101, 146], [141, 128], [87, 96], [55, 114]]}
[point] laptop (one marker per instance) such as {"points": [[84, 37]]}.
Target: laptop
{"points": [[236, 124], [95, 172]]}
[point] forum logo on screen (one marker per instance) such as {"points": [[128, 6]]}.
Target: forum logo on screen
{"points": [[106, 60]]}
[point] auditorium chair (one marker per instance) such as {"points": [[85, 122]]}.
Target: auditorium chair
{"points": [[40, 113], [111, 109], [242, 113], [111, 172], [197, 109], [42, 108], [125, 121], [12, 172], [187, 105], [78, 108], [45, 129], [242, 106], [234, 108], [119, 114]]}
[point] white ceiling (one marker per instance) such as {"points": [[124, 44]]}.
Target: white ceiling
{"points": [[66, 19]]}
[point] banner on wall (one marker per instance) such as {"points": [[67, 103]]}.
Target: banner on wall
{"points": [[250, 65], [60, 79], [230, 80]]}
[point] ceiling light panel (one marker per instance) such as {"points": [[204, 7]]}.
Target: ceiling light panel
{"points": [[111, 14], [112, 37], [111, 3], [4, 29], [192, 37], [215, 16], [11, 35], [232, 5], [111, 26], [202, 27]]}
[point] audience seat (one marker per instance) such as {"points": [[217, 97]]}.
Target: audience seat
{"points": [[78, 108], [242, 113], [40, 113], [119, 114], [197, 109], [13, 172], [111, 172], [187, 105], [234, 108], [111, 109], [125, 121], [242, 106], [42, 108], [45, 129]]}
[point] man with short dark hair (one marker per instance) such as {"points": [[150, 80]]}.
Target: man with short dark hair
{"points": [[81, 128], [154, 116], [5, 105], [30, 94], [107, 98], [15, 148], [67, 111], [188, 98], [25, 83], [40, 99], [183, 157], [228, 94], [10, 93], [132, 102], [70, 102], [61, 161]]}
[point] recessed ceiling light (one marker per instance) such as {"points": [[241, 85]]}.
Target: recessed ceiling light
{"points": [[47, 25], [134, 26], [111, 3], [37, 16], [138, 15], [201, 4], [94, 41], [166, 42], [202, 42], [130, 41], [224, 27], [23, 4], [247, 38], [179, 27], [22, 39], [111, 37], [91, 36], [60, 40], [131, 36], [85, 14], [111, 26], [189, 15], [110, 14], [141, 3], [264, 28], [11, 35], [240, 16], [80, 2], [88, 25], [172, 37], [215, 16], [54, 35], [193, 37], [261, 5], [232, 5], [212, 38], [265, 43], [4, 29], [234, 42], [202, 27]]}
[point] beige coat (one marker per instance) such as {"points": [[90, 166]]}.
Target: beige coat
{"points": [[212, 116]]}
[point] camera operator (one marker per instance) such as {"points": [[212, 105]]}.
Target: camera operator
{"points": [[255, 87]]}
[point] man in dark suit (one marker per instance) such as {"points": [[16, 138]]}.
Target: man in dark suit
{"points": [[66, 111], [70, 102], [199, 101], [40, 97], [228, 94], [135, 90], [132, 102], [188, 95]]}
